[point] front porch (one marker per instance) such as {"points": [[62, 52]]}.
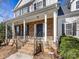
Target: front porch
{"points": [[40, 23], [35, 29]]}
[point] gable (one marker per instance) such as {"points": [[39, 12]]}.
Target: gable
{"points": [[21, 3], [17, 4], [60, 12]]}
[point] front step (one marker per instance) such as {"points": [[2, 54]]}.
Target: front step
{"points": [[28, 48], [26, 52]]}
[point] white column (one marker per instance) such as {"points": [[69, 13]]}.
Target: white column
{"points": [[45, 27], [13, 31], [55, 26], [24, 26], [6, 32], [34, 30]]}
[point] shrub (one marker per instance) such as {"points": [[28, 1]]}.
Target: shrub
{"points": [[69, 47]]}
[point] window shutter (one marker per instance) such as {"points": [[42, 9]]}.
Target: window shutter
{"points": [[77, 4], [44, 3], [35, 6], [74, 29], [63, 33]]}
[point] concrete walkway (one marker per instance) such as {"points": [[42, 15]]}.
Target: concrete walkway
{"points": [[19, 55]]}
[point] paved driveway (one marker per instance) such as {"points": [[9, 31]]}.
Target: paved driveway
{"points": [[20, 56]]}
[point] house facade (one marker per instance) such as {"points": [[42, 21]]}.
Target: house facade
{"points": [[72, 19], [37, 18]]}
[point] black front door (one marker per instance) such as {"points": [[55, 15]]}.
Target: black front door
{"points": [[39, 30]]}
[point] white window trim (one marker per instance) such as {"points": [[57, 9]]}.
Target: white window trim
{"points": [[68, 29]]}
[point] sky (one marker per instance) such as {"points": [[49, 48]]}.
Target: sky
{"points": [[6, 9]]}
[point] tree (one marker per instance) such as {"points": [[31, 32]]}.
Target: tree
{"points": [[2, 32]]}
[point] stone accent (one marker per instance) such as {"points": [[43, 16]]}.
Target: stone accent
{"points": [[28, 48]]}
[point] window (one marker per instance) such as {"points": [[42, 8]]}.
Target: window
{"points": [[39, 30], [71, 29], [38, 5], [25, 10], [27, 29], [77, 4], [18, 13], [77, 29], [17, 30]]}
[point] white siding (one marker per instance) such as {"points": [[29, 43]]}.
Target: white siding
{"points": [[31, 7], [72, 20], [73, 5], [60, 22], [49, 2]]}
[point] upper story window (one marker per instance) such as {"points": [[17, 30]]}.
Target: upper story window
{"points": [[22, 11], [25, 10], [77, 4], [38, 5], [18, 13]]}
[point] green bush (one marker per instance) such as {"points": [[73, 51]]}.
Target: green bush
{"points": [[69, 47]]}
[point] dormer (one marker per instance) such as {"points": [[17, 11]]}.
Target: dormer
{"points": [[74, 5]]}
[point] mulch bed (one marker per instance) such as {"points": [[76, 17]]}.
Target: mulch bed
{"points": [[7, 51]]}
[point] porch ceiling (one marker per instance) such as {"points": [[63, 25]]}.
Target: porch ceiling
{"points": [[36, 15]]}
